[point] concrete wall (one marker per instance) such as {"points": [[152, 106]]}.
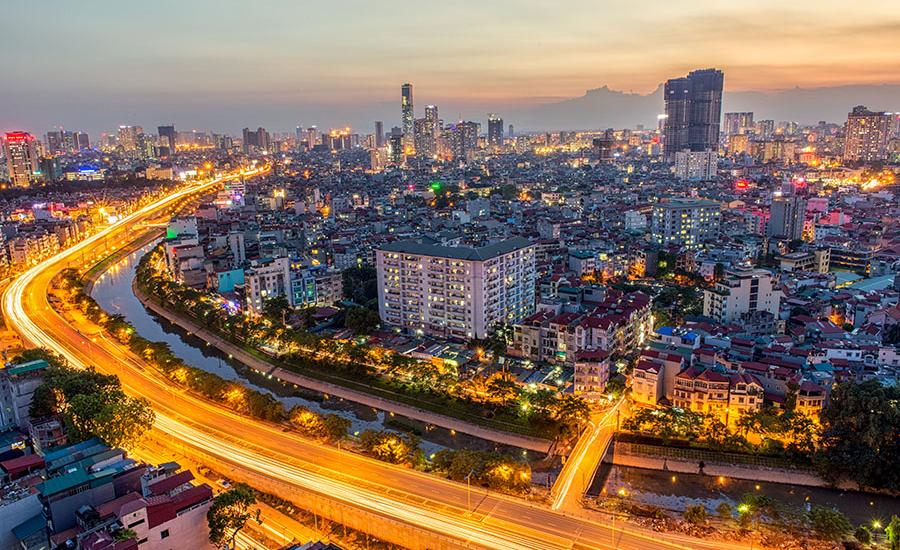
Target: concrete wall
{"points": [[623, 455]]}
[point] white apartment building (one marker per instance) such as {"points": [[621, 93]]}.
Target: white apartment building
{"points": [[455, 292], [685, 221], [266, 279], [743, 291], [696, 165]]}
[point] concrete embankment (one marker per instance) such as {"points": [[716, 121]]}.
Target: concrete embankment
{"points": [[687, 461]]}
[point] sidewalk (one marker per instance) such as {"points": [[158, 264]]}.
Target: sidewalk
{"points": [[287, 377]]}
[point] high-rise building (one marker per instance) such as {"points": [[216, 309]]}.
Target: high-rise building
{"points": [[495, 130], [312, 137], [511, 132], [407, 115], [127, 138], [696, 165], [693, 112], [395, 146], [765, 128], [379, 134], [742, 292], [866, 135], [685, 222], [55, 142], [603, 146], [462, 138], [82, 141], [455, 292], [433, 122], [21, 158], [299, 136], [167, 138], [786, 217], [737, 123], [424, 144]]}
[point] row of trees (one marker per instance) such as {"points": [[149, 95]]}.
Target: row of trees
{"points": [[498, 398], [774, 432]]}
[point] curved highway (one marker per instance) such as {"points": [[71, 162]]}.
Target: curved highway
{"points": [[494, 521]]}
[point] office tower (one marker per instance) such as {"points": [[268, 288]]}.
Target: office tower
{"points": [[765, 128], [82, 141], [54, 142], [395, 144], [424, 139], [693, 111], [312, 137], [433, 122], [737, 123], [866, 135], [379, 134], [462, 138], [407, 114], [298, 138], [685, 222], [455, 292], [21, 158], [742, 292], [696, 165], [495, 130], [603, 147], [786, 217], [512, 132], [127, 138], [167, 138]]}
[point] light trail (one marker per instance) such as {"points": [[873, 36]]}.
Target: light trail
{"points": [[579, 454], [390, 491]]}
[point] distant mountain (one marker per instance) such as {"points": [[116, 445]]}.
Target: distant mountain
{"points": [[605, 108]]}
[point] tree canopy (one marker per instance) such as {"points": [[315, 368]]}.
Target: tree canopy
{"points": [[92, 404], [229, 513], [861, 435]]}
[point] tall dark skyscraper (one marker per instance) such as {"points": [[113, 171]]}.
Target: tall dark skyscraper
{"points": [[693, 112], [379, 134], [167, 137], [495, 131], [407, 118]]}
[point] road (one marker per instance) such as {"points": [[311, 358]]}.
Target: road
{"points": [[578, 471], [426, 501]]}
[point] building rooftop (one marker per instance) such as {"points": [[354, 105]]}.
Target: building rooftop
{"points": [[458, 252]]}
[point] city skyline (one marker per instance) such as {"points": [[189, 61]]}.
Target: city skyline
{"points": [[225, 69]]}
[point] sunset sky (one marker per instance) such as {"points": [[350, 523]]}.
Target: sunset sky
{"points": [[67, 60]]}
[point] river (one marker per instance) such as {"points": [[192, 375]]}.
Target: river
{"points": [[112, 291]]}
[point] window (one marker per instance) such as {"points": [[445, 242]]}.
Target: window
{"points": [[164, 534]]}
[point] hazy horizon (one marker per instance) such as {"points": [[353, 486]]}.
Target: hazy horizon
{"points": [[223, 65]]}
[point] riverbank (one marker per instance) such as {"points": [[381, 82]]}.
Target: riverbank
{"points": [[287, 377]]}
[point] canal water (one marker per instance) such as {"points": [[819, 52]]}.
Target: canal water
{"points": [[112, 291], [674, 492]]}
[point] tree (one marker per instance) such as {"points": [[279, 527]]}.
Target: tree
{"points": [[859, 438], [828, 523], [389, 446], [277, 308], [361, 320], [229, 513], [863, 535], [92, 404], [117, 419], [892, 532], [723, 510], [695, 514]]}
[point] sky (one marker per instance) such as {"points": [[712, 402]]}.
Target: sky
{"points": [[226, 64]]}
